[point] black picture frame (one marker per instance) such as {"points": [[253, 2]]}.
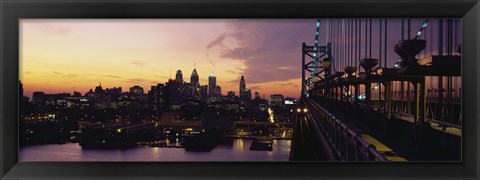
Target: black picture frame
{"points": [[13, 10]]}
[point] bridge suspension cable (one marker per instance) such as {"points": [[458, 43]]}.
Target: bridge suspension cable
{"points": [[315, 48]]}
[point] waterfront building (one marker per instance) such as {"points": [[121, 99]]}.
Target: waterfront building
{"points": [[277, 100]]}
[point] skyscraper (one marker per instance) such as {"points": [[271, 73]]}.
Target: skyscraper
{"points": [[248, 94], [20, 97], [277, 100], [136, 90], [99, 89], [231, 94], [20, 88], [203, 93], [242, 87], [212, 84], [194, 78], [172, 94], [179, 76], [257, 95], [157, 99]]}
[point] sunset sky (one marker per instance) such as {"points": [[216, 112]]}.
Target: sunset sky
{"points": [[76, 55]]}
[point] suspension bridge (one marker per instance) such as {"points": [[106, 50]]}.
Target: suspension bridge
{"points": [[368, 99]]}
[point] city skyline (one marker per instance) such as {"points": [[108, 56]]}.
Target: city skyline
{"points": [[146, 52], [179, 78]]}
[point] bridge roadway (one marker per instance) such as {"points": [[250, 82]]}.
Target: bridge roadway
{"points": [[318, 134], [394, 144], [307, 145]]}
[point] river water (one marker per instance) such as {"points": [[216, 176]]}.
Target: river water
{"points": [[237, 150]]}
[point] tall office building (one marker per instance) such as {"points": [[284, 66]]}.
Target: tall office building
{"points": [[172, 94], [277, 100], [218, 91], [20, 97], [194, 78], [136, 90], [242, 87], [231, 94], [157, 99], [203, 93], [212, 84], [179, 76], [20, 88], [257, 95], [99, 89], [248, 94]]}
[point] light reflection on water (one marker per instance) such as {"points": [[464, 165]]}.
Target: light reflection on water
{"points": [[236, 150]]}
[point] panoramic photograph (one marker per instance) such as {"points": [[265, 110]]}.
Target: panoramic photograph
{"points": [[240, 90]]}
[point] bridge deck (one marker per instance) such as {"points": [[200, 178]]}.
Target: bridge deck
{"points": [[383, 149], [400, 136], [450, 130]]}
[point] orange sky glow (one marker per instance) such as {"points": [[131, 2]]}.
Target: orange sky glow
{"points": [[76, 55]]}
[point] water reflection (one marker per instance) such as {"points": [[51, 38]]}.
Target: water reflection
{"points": [[271, 115], [238, 145], [231, 150]]}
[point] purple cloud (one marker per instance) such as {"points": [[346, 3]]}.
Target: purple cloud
{"points": [[270, 49]]}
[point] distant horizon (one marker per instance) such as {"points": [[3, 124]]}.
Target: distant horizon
{"points": [[146, 89]]}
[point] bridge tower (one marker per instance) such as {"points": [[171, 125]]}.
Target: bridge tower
{"points": [[315, 53]]}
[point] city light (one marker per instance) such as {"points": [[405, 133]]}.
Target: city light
{"points": [[362, 97]]}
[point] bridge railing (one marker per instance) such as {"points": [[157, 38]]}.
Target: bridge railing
{"points": [[347, 144]]}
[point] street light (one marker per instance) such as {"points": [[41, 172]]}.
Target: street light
{"points": [[326, 63]]}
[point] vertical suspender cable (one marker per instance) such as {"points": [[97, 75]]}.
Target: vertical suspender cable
{"points": [[431, 40], [451, 36], [403, 33], [342, 41], [448, 37], [366, 35], [455, 34], [359, 43], [409, 28], [380, 103], [370, 49], [347, 33], [315, 47], [440, 37], [385, 49], [347, 54], [426, 37], [380, 43], [351, 42], [337, 41]]}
